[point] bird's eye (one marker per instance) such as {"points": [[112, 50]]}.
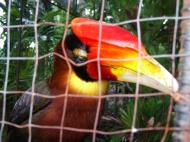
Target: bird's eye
{"points": [[80, 53]]}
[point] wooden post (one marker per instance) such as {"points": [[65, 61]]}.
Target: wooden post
{"points": [[182, 118]]}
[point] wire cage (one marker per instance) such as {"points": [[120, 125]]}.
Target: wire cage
{"points": [[30, 30]]}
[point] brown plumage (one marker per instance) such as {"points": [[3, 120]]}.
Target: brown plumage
{"points": [[80, 111]]}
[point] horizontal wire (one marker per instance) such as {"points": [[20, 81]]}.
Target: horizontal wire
{"points": [[119, 23], [91, 130], [101, 59], [85, 96]]}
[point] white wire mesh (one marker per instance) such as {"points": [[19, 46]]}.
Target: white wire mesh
{"points": [[133, 127], [137, 95], [34, 74], [7, 73]]}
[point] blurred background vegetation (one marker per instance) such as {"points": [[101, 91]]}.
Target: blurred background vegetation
{"points": [[156, 35]]}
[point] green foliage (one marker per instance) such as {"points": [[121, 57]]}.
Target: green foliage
{"points": [[151, 112], [147, 108], [115, 139]]}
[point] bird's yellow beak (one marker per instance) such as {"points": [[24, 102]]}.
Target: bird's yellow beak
{"points": [[151, 73]]}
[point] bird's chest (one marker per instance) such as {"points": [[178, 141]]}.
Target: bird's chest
{"points": [[80, 113]]}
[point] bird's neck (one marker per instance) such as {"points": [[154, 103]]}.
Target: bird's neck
{"points": [[90, 88], [76, 86]]}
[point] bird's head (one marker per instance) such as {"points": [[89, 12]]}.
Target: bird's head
{"points": [[118, 56]]}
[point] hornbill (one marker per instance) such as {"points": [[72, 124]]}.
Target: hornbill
{"points": [[81, 46]]}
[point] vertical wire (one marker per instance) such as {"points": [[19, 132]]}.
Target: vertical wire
{"points": [[99, 72], [173, 70], [69, 73], [7, 72], [35, 72], [138, 73]]}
